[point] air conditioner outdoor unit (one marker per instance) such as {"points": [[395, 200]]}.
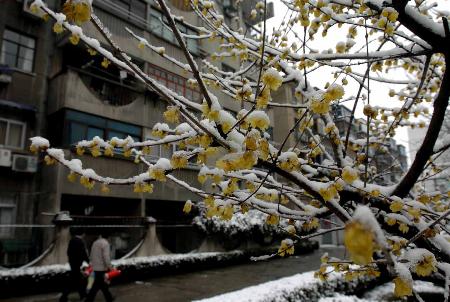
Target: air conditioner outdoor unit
{"points": [[27, 9], [5, 158], [24, 163]]}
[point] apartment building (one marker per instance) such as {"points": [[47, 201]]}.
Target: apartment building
{"points": [[390, 161], [390, 164], [52, 88]]}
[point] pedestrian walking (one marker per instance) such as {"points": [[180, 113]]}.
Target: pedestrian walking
{"points": [[77, 254], [101, 264]]}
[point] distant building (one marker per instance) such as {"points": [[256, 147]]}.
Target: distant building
{"points": [[390, 162], [434, 182]]}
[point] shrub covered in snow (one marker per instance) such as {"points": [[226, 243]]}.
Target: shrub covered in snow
{"points": [[241, 226]]}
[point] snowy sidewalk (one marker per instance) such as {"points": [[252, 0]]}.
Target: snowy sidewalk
{"points": [[205, 283]]}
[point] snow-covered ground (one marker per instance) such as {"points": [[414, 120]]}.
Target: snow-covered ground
{"points": [[304, 287], [282, 289], [151, 261]]}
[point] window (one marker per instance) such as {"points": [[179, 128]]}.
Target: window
{"points": [[161, 30], [174, 82], [83, 126], [134, 10], [17, 50], [12, 133], [7, 215]]}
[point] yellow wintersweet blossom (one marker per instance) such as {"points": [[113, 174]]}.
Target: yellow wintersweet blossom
{"points": [[263, 149], [334, 92], [104, 189], [272, 219], [402, 287], [251, 142], [391, 221], [426, 266], [105, 63], [272, 79], [340, 47], [226, 213], [137, 188], [95, 151], [213, 115], [424, 198], [415, 213], [172, 114], [147, 188], [244, 208], [349, 175], [322, 274], [91, 51], [209, 201], [204, 140], [359, 241], [141, 44], [58, 28], [241, 161], [85, 181], [187, 207], [263, 99], [390, 13], [258, 119], [396, 206], [286, 248], [291, 229], [320, 106], [74, 39], [375, 193], [157, 174], [78, 11], [80, 151], [179, 161], [397, 246], [201, 178], [403, 227], [230, 187], [127, 152], [72, 177], [328, 193], [49, 160], [289, 162], [243, 93], [109, 151], [212, 211]]}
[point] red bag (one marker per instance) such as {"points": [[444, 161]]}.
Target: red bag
{"points": [[113, 274], [88, 270]]}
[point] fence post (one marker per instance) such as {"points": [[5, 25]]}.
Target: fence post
{"points": [[58, 254], [150, 245]]}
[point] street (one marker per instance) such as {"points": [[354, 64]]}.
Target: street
{"points": [[205, 283]]}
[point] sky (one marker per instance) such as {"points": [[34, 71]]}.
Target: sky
{"points": [[379, 91]]}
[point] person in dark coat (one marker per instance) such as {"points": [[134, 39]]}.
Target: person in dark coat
{"points": [[77, 254]]}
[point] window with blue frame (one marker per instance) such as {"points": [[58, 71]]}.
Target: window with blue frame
{"points": [[161, 30], [84, 126]]}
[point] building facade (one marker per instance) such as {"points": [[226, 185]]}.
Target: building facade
{"points": [[51, 88]]}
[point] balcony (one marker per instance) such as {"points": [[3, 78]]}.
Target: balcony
{"points": [[87, 92]]}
